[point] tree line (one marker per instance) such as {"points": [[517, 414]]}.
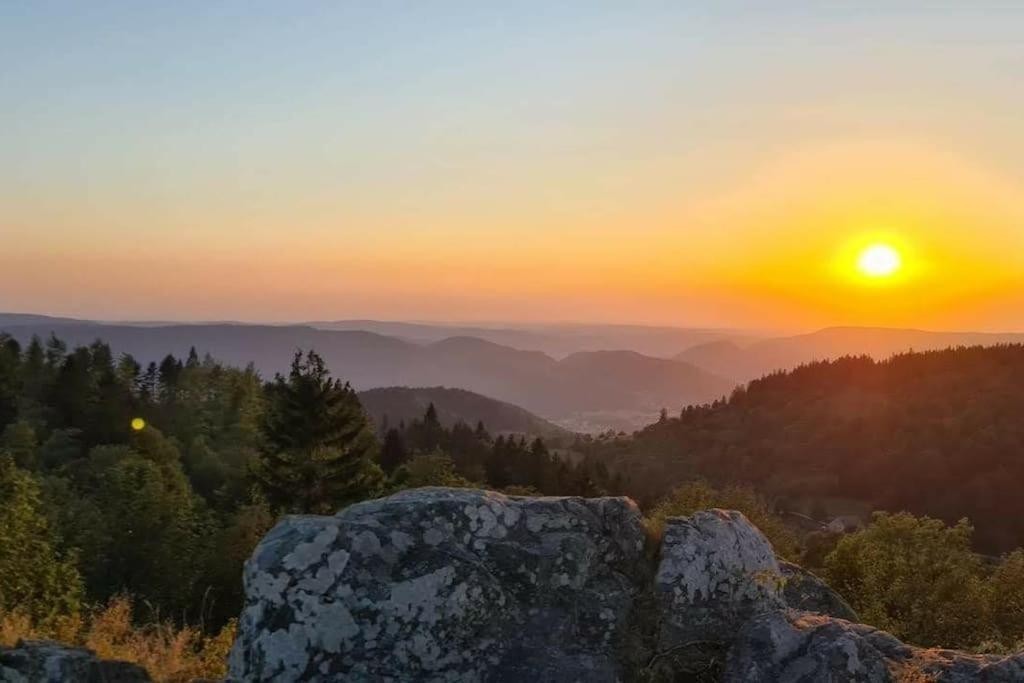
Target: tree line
{"points": [[156, 482], [936, 433]]}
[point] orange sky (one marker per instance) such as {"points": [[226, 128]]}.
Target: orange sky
{"points": [[661, 167]]}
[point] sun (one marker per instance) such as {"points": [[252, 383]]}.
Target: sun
{"points": [[879, 260]]}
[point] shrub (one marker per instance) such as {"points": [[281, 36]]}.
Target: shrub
{"points": [[34, 577], [170, 654], [699, 495], [916, 578]]}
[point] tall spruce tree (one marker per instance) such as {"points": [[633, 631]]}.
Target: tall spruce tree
{"points": [[394, 452], [10, 380], [320, 445]]}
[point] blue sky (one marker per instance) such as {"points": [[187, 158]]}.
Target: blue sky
{"points": [[219, 133]]}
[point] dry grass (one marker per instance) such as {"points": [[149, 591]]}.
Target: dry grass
{"points": [[169, 653]]}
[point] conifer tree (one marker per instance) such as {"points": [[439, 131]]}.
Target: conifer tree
{"points": [[320, 445], [10, 381], [393, 453]]}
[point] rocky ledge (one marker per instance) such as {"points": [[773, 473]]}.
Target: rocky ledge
{"points": [[801, 647], [42, 661], [466, 585]]}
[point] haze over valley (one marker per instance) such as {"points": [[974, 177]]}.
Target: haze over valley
{"points": [[591, 378]]}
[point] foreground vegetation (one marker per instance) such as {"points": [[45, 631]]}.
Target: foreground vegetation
{"points": [[157, 483], [915, 577], [131, 497], [170, 653]]}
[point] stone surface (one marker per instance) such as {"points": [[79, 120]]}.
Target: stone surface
{"points": [[49, 662], [799, 647], [468, 585], [443, 585], [717, 570], [804, 591]]}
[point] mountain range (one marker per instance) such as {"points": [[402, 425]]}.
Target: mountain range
{"points": [[585, 378], [743, 362], [586, 390], [394, 405]]}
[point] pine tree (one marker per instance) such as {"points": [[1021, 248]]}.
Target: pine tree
{"points": [[35, 377], [430, 417], [10, 380], [393, 453], [320, 445]]}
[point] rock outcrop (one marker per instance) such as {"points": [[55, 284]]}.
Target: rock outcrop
{"points": [[717, 571], [40, 661], [443, 585], [800, 647], [466, 585], [804, 591]]}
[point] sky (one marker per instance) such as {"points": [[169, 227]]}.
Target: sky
{"points": [[697, 164]]}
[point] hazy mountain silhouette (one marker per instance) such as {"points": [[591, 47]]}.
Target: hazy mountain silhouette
{"points": [[597, 382], [406, 404], [556, 340], [746, 362]]}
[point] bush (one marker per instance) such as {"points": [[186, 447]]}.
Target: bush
{"points": [[699, 495], [916, 578], [34, 577], [168, 653], [435, 469], [1007, 591]]}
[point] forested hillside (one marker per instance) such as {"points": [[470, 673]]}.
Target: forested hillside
{"points": [[937, 433], [390, 406], [600, 389], [156, 482], [747, 361]]}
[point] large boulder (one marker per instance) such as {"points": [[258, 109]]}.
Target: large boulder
{"points": [[717, 571], [804, 591], [41, 661], [446, 585], [799, 647]]}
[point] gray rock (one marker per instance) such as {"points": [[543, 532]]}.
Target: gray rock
{"points": [[717, 570], [40, 661], [799, 647], [467, 585], [443, 585], [804, 591]]}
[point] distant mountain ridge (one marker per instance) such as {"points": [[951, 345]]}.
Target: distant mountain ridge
{"points": [[746, 362], [934, 432], [609, 388], [556, 340], [405, 404]]}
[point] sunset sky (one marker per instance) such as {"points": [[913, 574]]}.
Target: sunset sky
{"points": [[721, 164]]}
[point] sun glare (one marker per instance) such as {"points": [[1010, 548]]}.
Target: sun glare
{"points": [[879, 260]]}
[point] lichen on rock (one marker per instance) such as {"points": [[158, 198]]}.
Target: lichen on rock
{"points": [[43, 661], [443, 584], [800, 647], [467, 585], [717, 570]]}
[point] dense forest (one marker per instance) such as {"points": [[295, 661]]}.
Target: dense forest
{"points": [[936, 433], [389, 405], [156, 482], [132, 495]]}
